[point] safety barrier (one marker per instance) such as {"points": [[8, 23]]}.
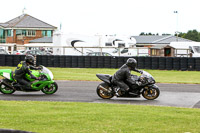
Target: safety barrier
{"points": [[160, 63]]}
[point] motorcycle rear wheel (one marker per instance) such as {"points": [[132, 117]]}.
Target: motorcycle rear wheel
{"points": [[151, 93], [102, 93], [6, 90], [53, 88]]}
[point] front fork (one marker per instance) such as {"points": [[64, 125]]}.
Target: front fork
{"points": [[148, 87]]}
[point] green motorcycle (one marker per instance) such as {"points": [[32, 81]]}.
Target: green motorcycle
{"points": [[46, 84]]}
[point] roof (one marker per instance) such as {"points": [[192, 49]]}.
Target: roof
{"points": [[3, 25], [42, 40], [166, 39], [26, 21], [159, 46]]}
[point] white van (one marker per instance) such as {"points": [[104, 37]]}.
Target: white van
{"points": [[3, 51], [186, 49]]}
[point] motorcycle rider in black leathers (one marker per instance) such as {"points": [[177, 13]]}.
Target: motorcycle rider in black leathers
{"points": [[24, 67], [124, 74]]}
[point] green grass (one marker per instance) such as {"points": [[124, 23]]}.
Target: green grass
{"points": [[89, 74], [66, 117]]}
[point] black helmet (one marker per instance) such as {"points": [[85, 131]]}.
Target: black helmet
{"points": [[30, 59], [131, 62]]}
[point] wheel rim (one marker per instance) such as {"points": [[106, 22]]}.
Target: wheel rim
{"points": [[51, 90], [6, 90], [104, 94], [150, 94]]}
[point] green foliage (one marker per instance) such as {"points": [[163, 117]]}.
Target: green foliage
{"points": [[193, 35], [148, 34], [66, 117]]}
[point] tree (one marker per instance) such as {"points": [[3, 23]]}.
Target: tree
{"points": [[164, 34], [147, 34], [192, 35], [142, 33]]}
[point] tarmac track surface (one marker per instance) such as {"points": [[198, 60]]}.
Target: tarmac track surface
{"points": [[177, 95]]}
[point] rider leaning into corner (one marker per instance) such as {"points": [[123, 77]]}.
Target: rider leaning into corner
{"points": [[124, 74], [22, 69]]}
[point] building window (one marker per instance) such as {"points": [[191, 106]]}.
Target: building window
{"points": [[108, 44], [121, 45], [154, 52], [46, 33], [30, 33], [26, 32], [9, 33], [2, 36], [18, 32]]}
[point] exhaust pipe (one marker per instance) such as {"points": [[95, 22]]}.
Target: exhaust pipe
{"points": [[6, 84]]}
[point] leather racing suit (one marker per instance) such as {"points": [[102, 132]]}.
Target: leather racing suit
{"points": [[124, 74], [20, 72]]}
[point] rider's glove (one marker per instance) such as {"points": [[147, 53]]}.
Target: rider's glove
{"points": [[39, 68], [140, 71]]}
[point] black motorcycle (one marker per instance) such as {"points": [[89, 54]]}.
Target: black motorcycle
{"points": [[148, 89]]}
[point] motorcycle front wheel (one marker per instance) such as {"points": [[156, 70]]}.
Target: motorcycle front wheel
{"points": [[151, 93], [50, 90], [104, 91], [6, 90]]}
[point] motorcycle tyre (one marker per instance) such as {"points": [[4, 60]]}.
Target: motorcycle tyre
{"points": [[3, 91], [151, 98], [51, 92], [99, 93]]}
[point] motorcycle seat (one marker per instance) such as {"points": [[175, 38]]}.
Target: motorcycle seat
{"points": [[105, 77]]}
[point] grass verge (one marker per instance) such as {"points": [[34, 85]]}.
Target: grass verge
{"points": [[161, 76], [60, 117]]}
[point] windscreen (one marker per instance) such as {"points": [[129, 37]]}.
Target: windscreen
{"points": [[197, 49], [47, 71], [146, 73]]}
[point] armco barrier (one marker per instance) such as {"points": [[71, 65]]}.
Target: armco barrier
{"points": [[160, 63]]}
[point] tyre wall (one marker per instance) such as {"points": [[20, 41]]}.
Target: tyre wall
{"points": [[156, 63]]}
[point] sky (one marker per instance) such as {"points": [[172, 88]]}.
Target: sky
{"points": [[120, 17]]}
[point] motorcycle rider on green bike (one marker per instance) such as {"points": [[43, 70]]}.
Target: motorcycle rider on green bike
{"points": [[22, 69]]}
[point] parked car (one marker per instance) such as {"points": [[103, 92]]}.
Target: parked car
{"points": [[2, 51], [99, 54], [19, 52], [34, 52]]}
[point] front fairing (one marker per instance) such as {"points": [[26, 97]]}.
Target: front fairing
{"points": [[37, 73], [147, 78], [47, 72]]}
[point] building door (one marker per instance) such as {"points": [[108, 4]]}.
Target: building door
{"points": [[167, 52]]}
